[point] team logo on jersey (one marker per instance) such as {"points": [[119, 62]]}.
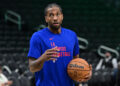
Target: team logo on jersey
{"points": [[62, 50], [52, 44]]}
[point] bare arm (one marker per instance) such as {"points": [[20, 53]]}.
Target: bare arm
{"points": [[37, 64]]}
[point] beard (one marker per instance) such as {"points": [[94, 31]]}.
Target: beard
{"points": [[55, 27]]}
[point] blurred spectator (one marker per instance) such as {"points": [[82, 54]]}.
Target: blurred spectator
{"points": [[3, 79], [107, 62], [118, 75]]}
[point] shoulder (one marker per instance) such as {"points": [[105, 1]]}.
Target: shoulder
{"points": [[44, 30], [38, 34], [114, 59], [68, 31]]}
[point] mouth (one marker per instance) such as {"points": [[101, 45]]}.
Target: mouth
{"points": [[55, 24]]}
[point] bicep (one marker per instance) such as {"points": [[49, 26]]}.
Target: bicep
{"points": [[35, 47]]}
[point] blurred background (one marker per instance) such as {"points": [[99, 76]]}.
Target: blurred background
{"points": [[96, 23]]}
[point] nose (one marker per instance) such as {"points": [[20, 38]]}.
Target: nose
{"points": [[55, 18]]}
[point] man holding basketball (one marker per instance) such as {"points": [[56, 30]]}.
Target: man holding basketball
{"points": [[51, 49]]}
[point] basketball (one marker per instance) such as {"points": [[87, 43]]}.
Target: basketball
{"points": [[79, 70]]}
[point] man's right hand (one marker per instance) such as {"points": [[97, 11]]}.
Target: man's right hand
{"points": [[51, 54], [37, 64]]}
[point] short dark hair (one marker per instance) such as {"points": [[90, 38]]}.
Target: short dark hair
{"points": [[50, 6]]}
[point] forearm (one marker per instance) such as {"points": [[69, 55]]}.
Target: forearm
{"points": [[36, 65]]}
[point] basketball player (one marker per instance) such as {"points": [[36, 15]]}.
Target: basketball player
{"points": [[51, 49]]}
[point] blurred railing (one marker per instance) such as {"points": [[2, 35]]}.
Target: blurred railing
{"points": [[102, 47], [9, 15], [84, 41]]}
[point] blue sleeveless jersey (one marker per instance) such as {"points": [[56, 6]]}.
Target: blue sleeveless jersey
{"points": [[54, 74]]}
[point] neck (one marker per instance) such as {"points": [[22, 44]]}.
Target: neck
{"points": [[55, 31]]}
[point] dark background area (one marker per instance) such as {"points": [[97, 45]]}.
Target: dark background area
{"points": [[95, 20]]}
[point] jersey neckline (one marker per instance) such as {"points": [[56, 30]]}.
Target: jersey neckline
{"points": [[54, 33]]}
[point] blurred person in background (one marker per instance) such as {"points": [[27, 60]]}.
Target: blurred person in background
{"points": [[107, 62], [118, 75], [3, 79]]}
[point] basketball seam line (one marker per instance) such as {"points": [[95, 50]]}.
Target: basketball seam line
{"points": [[81, 63], [79, 70]]}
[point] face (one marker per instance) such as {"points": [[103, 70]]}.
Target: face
{"points": [[54, 17], [107, 54]]}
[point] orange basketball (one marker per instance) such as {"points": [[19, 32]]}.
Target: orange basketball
{"points": [[79, 70]]}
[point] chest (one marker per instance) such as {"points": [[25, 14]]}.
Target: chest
{"points": [[64, 43]]}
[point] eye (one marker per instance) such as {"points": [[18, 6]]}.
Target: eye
{"points": [[51, 15], [58, 14]]}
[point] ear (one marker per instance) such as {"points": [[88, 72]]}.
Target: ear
{"points": [[62, 16]]}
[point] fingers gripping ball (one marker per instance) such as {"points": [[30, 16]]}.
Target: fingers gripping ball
{"points": [[79, 70]]}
